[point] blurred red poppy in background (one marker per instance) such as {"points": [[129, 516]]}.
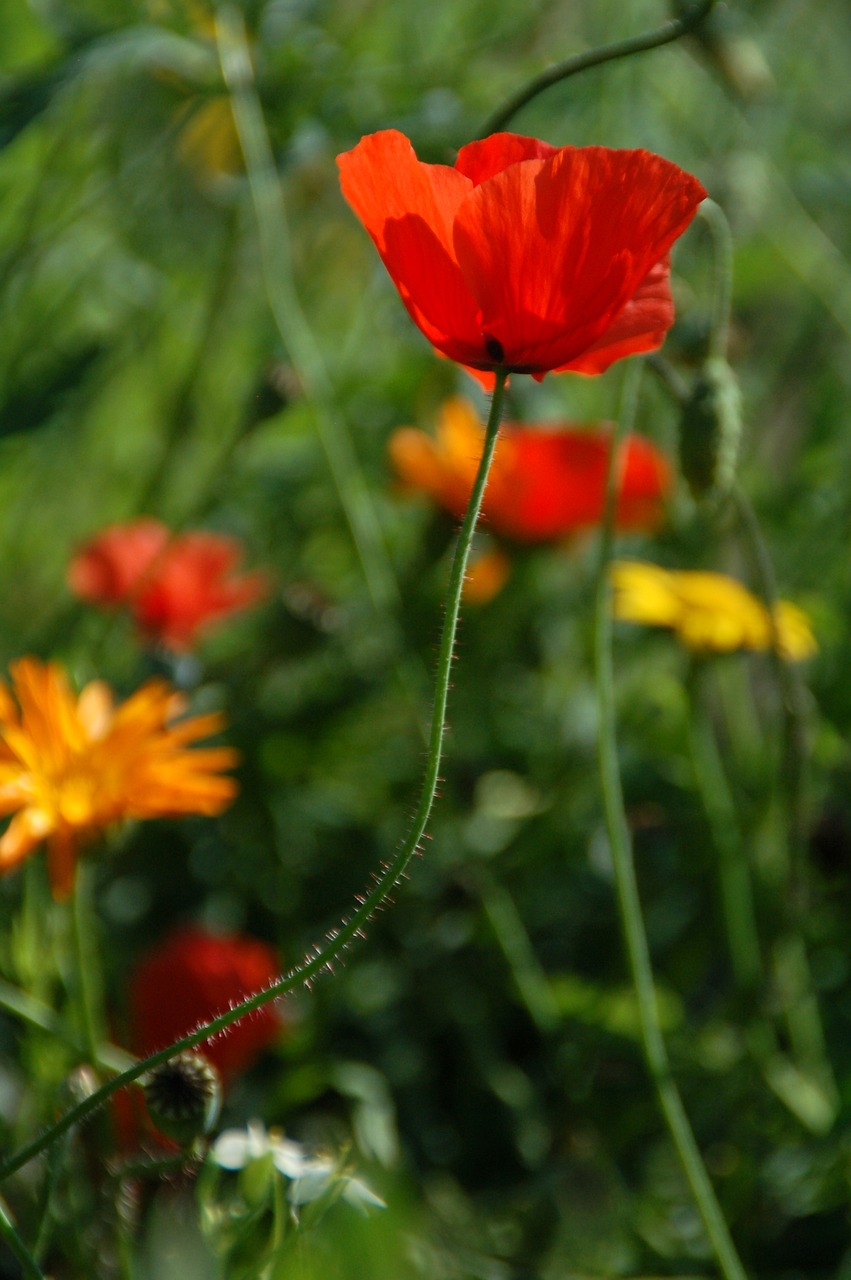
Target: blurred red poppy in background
{"points": [[175, 587], [191, 976], [525, 256], [545, 482]]}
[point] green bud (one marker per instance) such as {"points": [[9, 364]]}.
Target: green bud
{"points": [[710, 430], [183, 1096]]}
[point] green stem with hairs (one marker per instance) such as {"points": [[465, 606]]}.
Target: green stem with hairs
{"points": [[629, 902], [29, 1267], [323, 956], [666, 34]]}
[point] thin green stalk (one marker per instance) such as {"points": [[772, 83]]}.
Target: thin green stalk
{"points": [[510, 932], [737, 901], [722, 244], [38, 1014], [87, 980], [307, 359], [668, 32], [29, 1267], [629, 904], [324, 955]]}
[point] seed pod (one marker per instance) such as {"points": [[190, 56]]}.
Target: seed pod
{"points": [[710, 430], [183, 1096]]}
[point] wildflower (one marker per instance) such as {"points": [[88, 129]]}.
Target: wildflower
{"points": [[545, 482], [72, 766], [175, 587], [709, 612], [189, 978], [524, 256], [309, 1176], [183, 1096]]}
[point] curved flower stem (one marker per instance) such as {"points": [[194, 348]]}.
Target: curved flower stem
{"points": [[722, 243], [323, 956], [29, 1267], [629, 903], [792, 968], [668, 32]]}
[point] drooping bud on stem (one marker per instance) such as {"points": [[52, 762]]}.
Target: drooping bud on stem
{"points": [[183, 1096], [711, 429]]}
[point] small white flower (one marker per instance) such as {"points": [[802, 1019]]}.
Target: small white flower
{"points": [[310, 1176]]}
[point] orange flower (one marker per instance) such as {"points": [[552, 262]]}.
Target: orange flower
{"points": [[72, 766], [525, 256], [174, 586], [191, 976], [544, 483]]}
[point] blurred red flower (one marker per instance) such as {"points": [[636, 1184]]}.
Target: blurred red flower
{"points": [[545, 482], [525, 256], [191, 976], [175, 587]]}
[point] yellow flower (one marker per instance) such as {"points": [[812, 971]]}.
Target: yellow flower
{"points": [[71, 766], [709, 612]]}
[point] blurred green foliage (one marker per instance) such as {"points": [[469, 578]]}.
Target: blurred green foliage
{"points": [[480, 1048]]}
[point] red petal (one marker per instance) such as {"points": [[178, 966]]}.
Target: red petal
{"points": [[557, 484], [553, 250], [641, 325], [408, 208], [482, 160]]}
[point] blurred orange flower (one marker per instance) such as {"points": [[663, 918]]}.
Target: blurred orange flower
{"points": [[71, 766], [175, 587], [545, 482], [191, 976]]}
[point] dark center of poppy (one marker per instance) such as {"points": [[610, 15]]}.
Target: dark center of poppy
{"points": [[494, 348]]}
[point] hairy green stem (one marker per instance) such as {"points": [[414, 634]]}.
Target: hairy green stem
{"points": [[668, 32], [629, 902], [29, 1267], [323, 956]]}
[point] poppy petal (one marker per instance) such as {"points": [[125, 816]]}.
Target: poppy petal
{"points": [[408, 209], [483, 159], [595, 221], [641, 325]]}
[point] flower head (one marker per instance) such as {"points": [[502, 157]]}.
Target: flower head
{"points": [[191, 976], [525, 256], [72, 766], [709, 612], [175, 587], [545, 482], [309, 1177]]}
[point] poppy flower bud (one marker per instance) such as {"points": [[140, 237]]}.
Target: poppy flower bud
{"points": [[710, 430], [183, 1096]]}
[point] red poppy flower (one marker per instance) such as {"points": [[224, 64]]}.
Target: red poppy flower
{"points": [[174, 587], [190, 977], [109, 567], [545, 482], [525, 256]]}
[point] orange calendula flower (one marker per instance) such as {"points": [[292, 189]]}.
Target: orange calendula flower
{"points": [[545, 482], [175, 586], [708, 612], [524, 256], [71, 766]]}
